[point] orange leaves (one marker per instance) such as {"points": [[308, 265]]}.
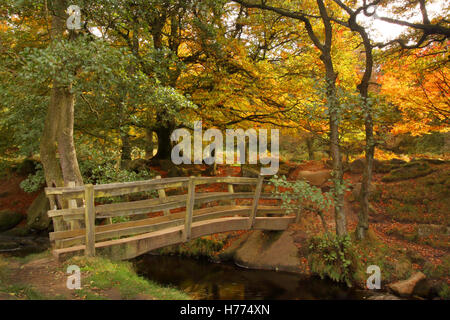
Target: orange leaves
{"points": [[418, 85]]}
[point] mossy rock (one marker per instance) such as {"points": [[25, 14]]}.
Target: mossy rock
{"points": [[408, 171], [9, 219], [37, 217], [357, 166]]}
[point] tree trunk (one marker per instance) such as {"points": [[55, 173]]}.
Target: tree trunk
{"points": [[164, 145], [310, 147], [363, 217], [48, 145], [126, 150], [57, 135], [333, 105], [66, 144]]}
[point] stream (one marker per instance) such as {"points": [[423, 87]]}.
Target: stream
{"points": [[206, 280]]}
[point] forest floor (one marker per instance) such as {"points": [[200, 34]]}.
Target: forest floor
{"points": [[40, 277]]}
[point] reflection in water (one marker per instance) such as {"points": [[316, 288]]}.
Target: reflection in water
{"points": [[207, 280]]}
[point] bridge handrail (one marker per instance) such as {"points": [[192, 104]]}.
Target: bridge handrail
{"points": [[124, 188]]}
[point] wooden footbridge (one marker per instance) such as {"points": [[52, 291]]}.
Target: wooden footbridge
{"points": [[124, 230]]}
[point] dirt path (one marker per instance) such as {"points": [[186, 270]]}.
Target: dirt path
{"points": [[48, 280]]}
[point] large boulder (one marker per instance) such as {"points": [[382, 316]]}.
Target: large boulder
{"points": [[314, 178], [357, 166], [269, 251], [9, 219], [37, 217], [405, 288]]}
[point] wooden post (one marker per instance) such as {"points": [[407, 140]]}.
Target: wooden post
{"points": [[189, 209], [251, 220], [231, 190], [75, 224], [89, 216], [58, 223], [162, 197]]}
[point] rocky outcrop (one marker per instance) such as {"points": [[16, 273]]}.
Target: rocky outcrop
{"points": [[405, 288], [265, 250], [411, 170], [314, 178], [9, 219]]}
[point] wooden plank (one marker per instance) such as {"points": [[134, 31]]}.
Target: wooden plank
{"points": [[120, 233], [152, 205], [171, 202], [74, 224], [231, 190], [124, 207], [116, 226], [233, 180], [89, 220], [152, 226], [117, 189], [189, 209], [198, 214], [251, 220]]}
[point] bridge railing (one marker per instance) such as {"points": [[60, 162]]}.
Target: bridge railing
{"points": [[76, 225]]}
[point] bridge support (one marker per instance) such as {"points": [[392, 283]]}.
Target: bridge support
{"points": [[89, 217], [189, 210], [251, 220]]}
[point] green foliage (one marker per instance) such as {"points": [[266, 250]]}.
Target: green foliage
{"points": [[295, 194], [95, 172], [444, 293], [109, 173], [34, 182], [394, 262], [432, 143], [436, 271], [4, 270], [105, 274], [333, 257]]}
